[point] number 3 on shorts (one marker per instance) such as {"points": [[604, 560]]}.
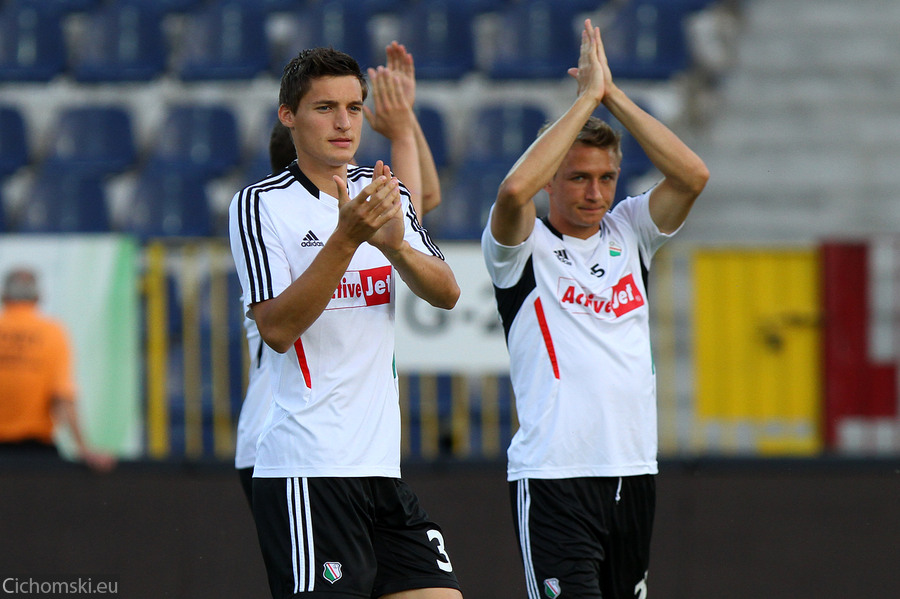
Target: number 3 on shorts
{"points": [[445, 565]]}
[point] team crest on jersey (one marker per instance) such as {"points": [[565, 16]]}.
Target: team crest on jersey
{"points": [[613, 302], [615, 248], [332, 572], [361, 288], [552, 588]]}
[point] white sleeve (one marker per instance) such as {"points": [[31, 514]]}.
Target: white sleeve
{"points": [[259, 258], [505, 264]]}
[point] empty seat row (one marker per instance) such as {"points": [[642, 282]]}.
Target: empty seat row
{"points": [[195, 144], [234, 39]]}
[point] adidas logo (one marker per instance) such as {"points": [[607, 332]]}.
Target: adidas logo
{"points": [[310, 240]]}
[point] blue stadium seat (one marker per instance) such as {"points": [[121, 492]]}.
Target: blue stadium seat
{"points": [[122, 42], [341, 24], [165, 6], [439, 34], [200, 139], [539, 39], [432, 122], [503, 131], [97, 140], [375, 146], [169, 203], [31, 43], [65, 201], [13, 141], [646, 39], [64, 7], [465, 208], [223, 40]]}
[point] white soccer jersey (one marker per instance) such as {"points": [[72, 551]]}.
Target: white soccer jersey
{"points": [[334, 407], [576, 319], [256, 400]]}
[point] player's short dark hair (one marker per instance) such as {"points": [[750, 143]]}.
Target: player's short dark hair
{"points": [[312, 64], [281, 148], [597, 133]]}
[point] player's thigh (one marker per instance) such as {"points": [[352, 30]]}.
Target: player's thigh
{"points": [[315, 535], [562, 536], [412, 552], [425, 594]]}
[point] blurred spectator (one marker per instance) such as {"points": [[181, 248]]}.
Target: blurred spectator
{"points": [[36, 386]]}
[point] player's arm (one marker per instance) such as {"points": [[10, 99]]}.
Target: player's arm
{"points": [[426, 275], [684, 173], [400, 61], [65, 412], [514, 210], [282, 319], [393, 93]]}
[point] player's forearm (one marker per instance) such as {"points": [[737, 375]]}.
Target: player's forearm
{"points": [[405, 165], [430, 180], [282, 319], [681, 167], [427, 276], [534, 169]]}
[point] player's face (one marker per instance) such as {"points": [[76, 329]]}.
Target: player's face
{"points": [[582, 190], [327, 124]]}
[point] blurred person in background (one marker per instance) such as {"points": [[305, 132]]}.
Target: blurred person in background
{"points": [[393, 90], [36, 385], [571, 289]]}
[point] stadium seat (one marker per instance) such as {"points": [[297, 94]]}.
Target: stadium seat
{"points": [[374, 146], [121, 42], [64, 7], [97, 140], [501, 132], [31, 43], [341, 24], [165, 6], [13, 141], [223, 40], [439, 34], [199, 139], [464, 211], [538, 39], [65, 201], [168, 203], [645, 39]]}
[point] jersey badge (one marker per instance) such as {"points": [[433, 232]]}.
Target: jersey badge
{"points": [[615, 249], [332, 572], [310, 240], [552, 588]]}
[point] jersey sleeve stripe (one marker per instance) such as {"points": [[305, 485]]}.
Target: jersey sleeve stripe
{"points": [[423, 233], [259, 274]]}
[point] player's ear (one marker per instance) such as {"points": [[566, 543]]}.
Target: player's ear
{"points": [[286, 116]]}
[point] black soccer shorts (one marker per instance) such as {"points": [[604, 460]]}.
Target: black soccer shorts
{"points": [[347, 537], [585, 537]]}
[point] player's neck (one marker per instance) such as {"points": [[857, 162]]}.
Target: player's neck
{"points": [[320, 174]]}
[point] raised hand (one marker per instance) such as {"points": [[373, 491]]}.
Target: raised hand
{"points": [[592, 74], [393, 113], [376, 207], [400, 61]]}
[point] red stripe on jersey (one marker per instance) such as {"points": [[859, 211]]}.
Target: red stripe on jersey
{"points": [[545, 332], [301, 359]]}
